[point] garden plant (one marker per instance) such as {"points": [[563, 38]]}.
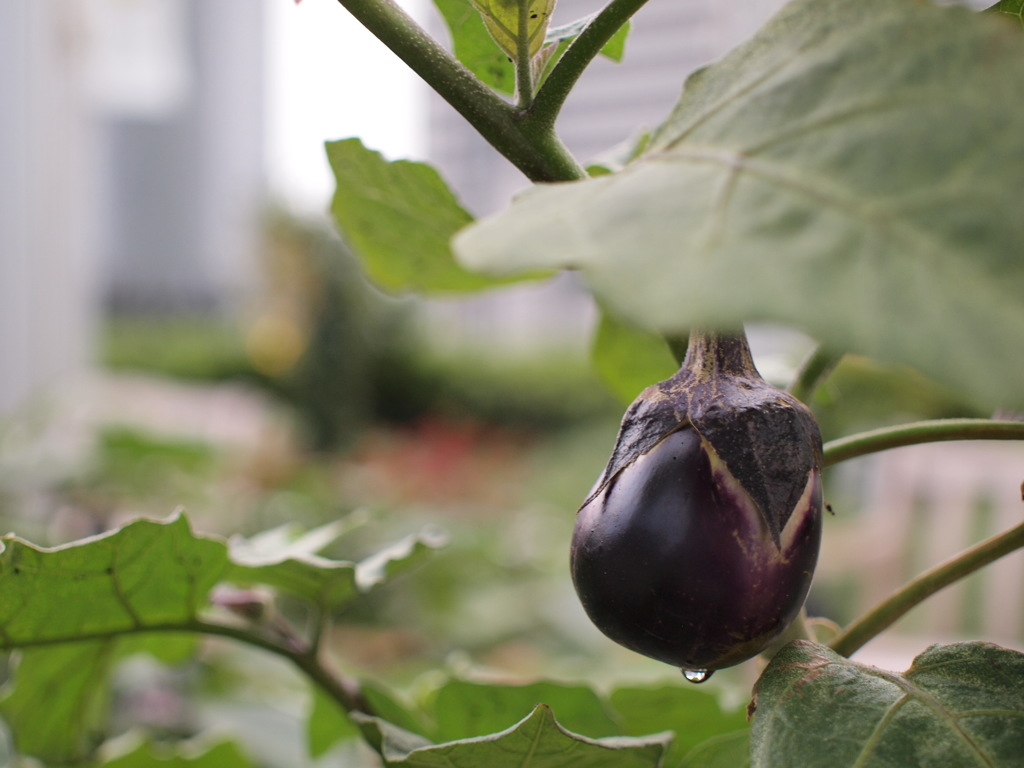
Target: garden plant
{"points": [[854, 171]]}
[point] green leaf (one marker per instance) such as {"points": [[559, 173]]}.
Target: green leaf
{"points": [[224, 754], [959, 704], [58, 706], [537, 741], [146, 574], [399, 218], [384, 565], [1012, 8], [286, 560], [852, 170], [327, 724], [614, 49], [628, 358], [728, 750], [78, 608], [464, 709], [695, 715], [474, 46], [509, 21]]}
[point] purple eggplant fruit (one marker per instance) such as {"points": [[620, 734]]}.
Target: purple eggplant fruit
{"points": [[698, 543]]}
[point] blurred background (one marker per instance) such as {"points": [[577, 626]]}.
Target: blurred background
{"points": [[181, 326]]}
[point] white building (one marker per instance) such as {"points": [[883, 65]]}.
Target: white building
{"points": [[131, 167]]}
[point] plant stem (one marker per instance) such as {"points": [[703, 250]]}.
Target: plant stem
{"points": [[927, 584], [534, 150], [524, 69], [284, 643], [584, 49], [935, 431], [812, 374]]}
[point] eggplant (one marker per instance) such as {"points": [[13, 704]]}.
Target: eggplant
{"points": [[698, 543]]}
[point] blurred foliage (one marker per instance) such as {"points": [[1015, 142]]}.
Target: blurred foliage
{"points": [[863, 394], [345, 356]]}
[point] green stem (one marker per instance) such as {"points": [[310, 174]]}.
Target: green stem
{"points": [[584, 49], [524, 69], [340, 688], [927, 584], [534, 150], [939, 430], [812, 374]]}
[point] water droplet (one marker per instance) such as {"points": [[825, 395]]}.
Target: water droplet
{"points": [[697, 675]]}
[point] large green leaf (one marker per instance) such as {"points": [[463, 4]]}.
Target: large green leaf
{"points": [[76, 609], [537, 741], [147, 574], [224, 754], [728, 750], [326, 725], [628, 358], [957, 705], [58, 709], [852, 170], [464, 709], [695, 715], [399, 218]]}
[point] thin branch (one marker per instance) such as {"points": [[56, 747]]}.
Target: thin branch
{"points": [[584, 49], [339, 687], [920, 432], [927, 584], [812, 374]]}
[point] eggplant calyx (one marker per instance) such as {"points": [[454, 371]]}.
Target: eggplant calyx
{"points": [[768, 440]]}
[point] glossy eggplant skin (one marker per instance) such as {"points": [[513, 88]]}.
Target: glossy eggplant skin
{"points": [[673, 560]]}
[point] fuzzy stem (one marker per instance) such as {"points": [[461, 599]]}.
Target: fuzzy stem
{"points": [[938, 430], [584, 49], [927, 584], [716, 353], [534, 149], [524, 69]]}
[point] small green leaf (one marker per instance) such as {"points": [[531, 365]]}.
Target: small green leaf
{"points": [[510, 20], [387, 563], [464, 709], [695, 715], [399, 218], [852, 170], [628, 358], [614, 49], [960, 704], [474, 46], [537, 741]]}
